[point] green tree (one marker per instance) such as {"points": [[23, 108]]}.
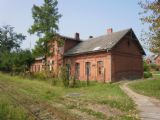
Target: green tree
{"points": [[10, 40], [46, 18], [16, 61], [22, 60], [6, 61], [151, 15]]}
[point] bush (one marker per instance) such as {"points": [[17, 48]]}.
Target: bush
{"points": [[145, 66], [147, 75], [154, 67], [63, 76], [43, 75], [40, 75]]}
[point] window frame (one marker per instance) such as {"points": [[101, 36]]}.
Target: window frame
{"points": [[100, 66], [87, 70]]}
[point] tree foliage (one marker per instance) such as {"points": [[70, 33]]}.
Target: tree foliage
{"points": [[12, 58], [16, 61], [10, 40], [151, 15], [46, 18], [22, 60]]}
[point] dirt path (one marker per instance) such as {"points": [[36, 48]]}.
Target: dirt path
{"points": [[149, 108]]}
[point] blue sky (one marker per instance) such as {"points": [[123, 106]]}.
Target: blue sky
{"points": [[88, 17]]}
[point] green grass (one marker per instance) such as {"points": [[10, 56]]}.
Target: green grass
{"points": [[43, 92], [150, 87], [91, 112], [10, 111], [155, 72]]}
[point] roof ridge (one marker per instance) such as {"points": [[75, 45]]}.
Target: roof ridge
{"points": [[103, 42], [109, 34]]}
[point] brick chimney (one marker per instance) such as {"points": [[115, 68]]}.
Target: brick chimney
{"points": [[90, 37], [109, 31], [77, 36]]}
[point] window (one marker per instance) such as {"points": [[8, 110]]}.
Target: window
{"points": [[77, 70], [100, 67], [87, 68], [52, 49], [68, 69], [39, 68], [35, 68]]}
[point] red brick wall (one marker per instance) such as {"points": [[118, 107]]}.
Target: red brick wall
{"points": [[148, 61], [56, 57], [157, 61], [127, 61], [70, 44], [93, 59], [37, 66]]}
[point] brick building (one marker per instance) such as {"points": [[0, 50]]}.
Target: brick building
{"points": [[114, 56], [157, 60]]}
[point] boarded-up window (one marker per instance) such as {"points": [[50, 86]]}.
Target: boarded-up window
{"points": [[77, 70], [38, 68], [100, 67], [68, 70], [88, 68], [35, 68]]}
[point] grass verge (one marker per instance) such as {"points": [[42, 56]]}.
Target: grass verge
{"points": [[149, 87]]}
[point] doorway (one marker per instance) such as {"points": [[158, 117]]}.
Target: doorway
{"points": [[77, 70]]}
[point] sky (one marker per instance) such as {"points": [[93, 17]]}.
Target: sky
{"points": [[87, 17]]}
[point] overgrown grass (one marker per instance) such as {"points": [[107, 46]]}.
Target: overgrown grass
{"points": [[150, 87], [103, 94], [91, 112], [10, 111]]}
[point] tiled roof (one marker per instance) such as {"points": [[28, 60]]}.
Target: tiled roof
{"points": [[105, 42]]}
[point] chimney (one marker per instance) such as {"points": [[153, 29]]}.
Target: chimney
{"points": [[109, 31], [77, 36], [90, 37]]}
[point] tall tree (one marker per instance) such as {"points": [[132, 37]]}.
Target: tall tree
{"points": [[10, 40], [151, 15], [46, 18]]}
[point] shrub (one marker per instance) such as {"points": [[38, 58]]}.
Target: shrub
{"points": [[40, 75], [145, 66], [54, 81], [73, 82], [147, 75], [43, 75], [63, 76], [154, 67]]}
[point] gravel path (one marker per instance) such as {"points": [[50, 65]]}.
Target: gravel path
{"points": [[149, 108]]}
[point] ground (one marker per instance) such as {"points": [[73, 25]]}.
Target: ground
{"points": [[149, 108], [146, 95], [22, 99]]}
